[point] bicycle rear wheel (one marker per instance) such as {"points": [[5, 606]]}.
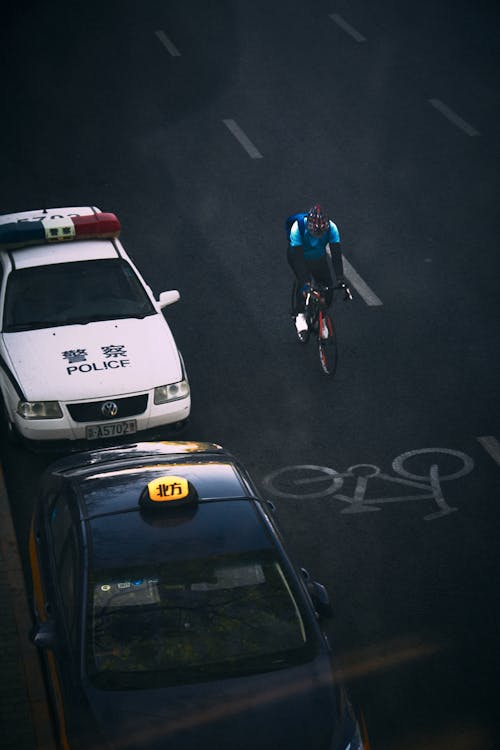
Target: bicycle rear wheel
{"points": [[327, 348]]}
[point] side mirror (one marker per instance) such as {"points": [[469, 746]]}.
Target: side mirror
{"points": [[168, 298], [43, 635], [319, 595], [271, 506]]}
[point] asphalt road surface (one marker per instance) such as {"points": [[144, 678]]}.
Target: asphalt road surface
{"points": [[202, 125]]}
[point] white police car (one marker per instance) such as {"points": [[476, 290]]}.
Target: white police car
{"points": [[85, 352]]}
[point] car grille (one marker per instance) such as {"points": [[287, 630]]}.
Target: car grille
{"points": [[92, 410]]}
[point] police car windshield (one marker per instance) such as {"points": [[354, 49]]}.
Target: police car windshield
{"points": [[69, 293], [206, 618]]}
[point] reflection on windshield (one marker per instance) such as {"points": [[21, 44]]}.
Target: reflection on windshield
{"points": [[69, 293], [204, 621]]}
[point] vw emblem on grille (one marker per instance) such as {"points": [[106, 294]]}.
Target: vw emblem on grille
{"points": [[109, 409]]}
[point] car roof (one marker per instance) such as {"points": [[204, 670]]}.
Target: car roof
{"points": [[64, 252], [224, 518], [129, 453], [118, 491], [111, 480], [210, 530]]}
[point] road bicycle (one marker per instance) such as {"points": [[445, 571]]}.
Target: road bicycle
{"points": [[320, 323]]}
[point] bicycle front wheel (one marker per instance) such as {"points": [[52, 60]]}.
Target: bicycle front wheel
{"points": [[327, 348]]}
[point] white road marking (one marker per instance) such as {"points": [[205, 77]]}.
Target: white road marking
{"points": [[347, 27], [360, 286], [453, 117], [242, 138], [491, 446], [167, 43], [323, 481]]}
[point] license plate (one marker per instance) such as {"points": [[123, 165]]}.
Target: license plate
{"points": [[115, 429]]}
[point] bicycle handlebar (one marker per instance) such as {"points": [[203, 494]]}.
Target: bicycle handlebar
{"points": [[319, 290], [347, 291]]}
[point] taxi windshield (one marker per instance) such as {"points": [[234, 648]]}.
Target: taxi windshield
{"points": [[70, 293], [205, 619]]}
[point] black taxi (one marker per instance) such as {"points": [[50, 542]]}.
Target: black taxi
{"points": [[168, 614]]}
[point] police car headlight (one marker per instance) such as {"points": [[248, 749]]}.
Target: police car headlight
{"points": [[39, 410], [172, 392]]}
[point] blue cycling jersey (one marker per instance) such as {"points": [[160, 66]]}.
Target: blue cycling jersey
{"points": [[314, 247]]}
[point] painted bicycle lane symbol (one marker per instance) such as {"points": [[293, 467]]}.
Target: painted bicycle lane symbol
{"points": [[309, 481]]}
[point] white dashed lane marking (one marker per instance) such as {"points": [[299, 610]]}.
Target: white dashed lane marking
{"points": [[360, 286], [347, 27], [453, 117], [167, 43], [242, 139]]}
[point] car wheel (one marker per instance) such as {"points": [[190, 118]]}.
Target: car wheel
{"points": [[179, 426], [10, 430], [12, 434]]}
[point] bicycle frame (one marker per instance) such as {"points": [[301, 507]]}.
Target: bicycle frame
{"points": [[315, 310], [320, 323]]}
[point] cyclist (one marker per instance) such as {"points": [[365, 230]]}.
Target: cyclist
{"points": [[307, 256]]}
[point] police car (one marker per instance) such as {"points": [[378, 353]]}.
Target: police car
{"points": [[168, 613], [85, 351]]}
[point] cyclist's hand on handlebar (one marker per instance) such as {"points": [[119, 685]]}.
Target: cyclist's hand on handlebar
{"points": [[306, 288], [347, 292]]}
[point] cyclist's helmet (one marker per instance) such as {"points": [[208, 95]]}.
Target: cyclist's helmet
{"points": [[317, 221]]}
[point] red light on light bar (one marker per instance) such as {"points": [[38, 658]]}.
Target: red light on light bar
{"points": [[102, 225]]}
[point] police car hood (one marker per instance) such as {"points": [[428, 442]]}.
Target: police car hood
{"points": [[97, 360], [297, 707]]}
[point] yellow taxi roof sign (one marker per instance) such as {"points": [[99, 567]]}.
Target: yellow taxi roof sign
{"points": [[168, 490]]}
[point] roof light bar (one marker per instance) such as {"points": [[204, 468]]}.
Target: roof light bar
{"points": [[63, 229]]}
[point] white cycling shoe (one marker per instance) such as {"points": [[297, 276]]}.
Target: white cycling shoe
{"points": [[301, 326]]}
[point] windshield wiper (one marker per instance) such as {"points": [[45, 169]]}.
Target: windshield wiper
{"points": [[109, 316]]}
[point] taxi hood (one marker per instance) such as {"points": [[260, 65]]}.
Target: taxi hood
{"points": [[292, 708], [92, 361]]}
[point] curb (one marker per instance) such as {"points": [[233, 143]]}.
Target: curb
{"points": [[36, 696]]}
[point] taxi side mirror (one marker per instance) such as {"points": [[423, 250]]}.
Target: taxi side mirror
{"points": [[43, 635], [271, 506], [168, 298], [319, 595]]}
